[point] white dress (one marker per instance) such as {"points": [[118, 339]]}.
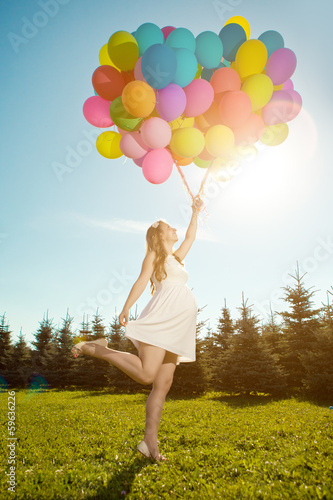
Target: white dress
{"points": [[170, 317]]}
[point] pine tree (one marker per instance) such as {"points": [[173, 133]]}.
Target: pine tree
{"points": [[318, 366], [299, 327], [22, 361], [225, 329], [248, 366], [63, 359], [6, 351], [115, 334], [45, 350], [272, 335]]}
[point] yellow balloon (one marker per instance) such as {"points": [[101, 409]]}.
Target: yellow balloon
{"points": [[104, 57], [181, 123], [275, 135], [278, 87], [199, 71], [244, 23], [108, 144], [123, 50], [259, 88], [187, 142], [251, 58], [219, 140], [139, 98]]}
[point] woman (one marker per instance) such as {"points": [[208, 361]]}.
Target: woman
{"points": [[165, 331]]}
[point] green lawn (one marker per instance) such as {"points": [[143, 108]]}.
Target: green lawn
{"points": [[82, 444]]}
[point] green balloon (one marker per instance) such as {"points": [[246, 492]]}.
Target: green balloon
{"points": [[201, 163], [122, 118]]}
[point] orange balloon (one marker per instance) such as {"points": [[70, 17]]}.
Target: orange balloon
{"points": [[128, 76], [204, 155], [139, 99], [235, 108], [224, 79], [180, 159]]}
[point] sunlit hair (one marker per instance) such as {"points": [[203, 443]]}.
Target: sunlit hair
{"points": [[154, 242]]}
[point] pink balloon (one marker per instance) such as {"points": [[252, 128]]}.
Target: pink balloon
{"points": [[281, 65], [156, 133], [157, 166], [297, 104], [167, 30], [138, 72], [279, 108], [132, 145], [171, 102], [250, 131], [199, 96], [123, 132], [288, 85], [139, 161], [96, 111]]}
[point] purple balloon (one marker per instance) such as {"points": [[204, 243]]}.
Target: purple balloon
{"points": [[288, 85], [171, 102], [281, 65]]}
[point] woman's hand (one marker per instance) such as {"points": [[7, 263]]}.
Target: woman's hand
{"points": [[123, 317], [197, 204]]}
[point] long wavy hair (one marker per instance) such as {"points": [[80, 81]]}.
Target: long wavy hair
{"points": [[154, 242]]}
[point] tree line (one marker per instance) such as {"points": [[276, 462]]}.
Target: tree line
{"points": [[291, 353]]}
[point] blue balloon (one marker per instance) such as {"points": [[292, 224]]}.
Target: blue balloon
{"points": [[159, 65], [232, 37], [181, 38], [146, 35], [209, 49], [187, 67], [273, 41]]}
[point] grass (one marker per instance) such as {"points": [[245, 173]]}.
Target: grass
{"points": [[82, 445]]}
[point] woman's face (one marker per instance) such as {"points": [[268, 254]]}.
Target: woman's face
{"points": [[169, 232]]}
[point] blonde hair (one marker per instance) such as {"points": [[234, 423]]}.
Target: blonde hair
{"points": [[154, 242]]}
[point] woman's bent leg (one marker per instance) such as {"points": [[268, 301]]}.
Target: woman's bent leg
{"points": [[155, 401], [142, 368]]}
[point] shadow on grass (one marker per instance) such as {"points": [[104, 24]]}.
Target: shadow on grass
{"points": [[120, 483]]}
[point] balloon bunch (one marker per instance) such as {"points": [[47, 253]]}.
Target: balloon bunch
{"points": [[178, 99]]}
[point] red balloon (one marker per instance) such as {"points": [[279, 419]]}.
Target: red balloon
{"points": [[235, 108], [108, 82]]}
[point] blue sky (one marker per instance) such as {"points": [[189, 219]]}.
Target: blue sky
{"points": [[77, 240]]}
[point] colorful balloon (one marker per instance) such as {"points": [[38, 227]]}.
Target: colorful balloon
{"points": [[139, 98], [244, 23], [96, 111], [259, 88], [297, 104], [181, 122], [122, 118], [232, 37], [219, 140], [225, 79], [108, 82], [167, 30], [123, 50], [209, 49], [159, 65], [132, 145], [235, 108], [104, 58], [108, 144], [157, 166], [171, 102], [251, 58], [138, 71], [275, 135], [201, 163], [156, 133], [186, 66], [199, 97], [187, 142], [181, 38], [279, 108], [146, 35], [281, 65], [250, 131], [273, 41]]}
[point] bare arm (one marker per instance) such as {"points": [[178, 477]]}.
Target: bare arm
{"points": [[138, 287], [191, 232]]}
